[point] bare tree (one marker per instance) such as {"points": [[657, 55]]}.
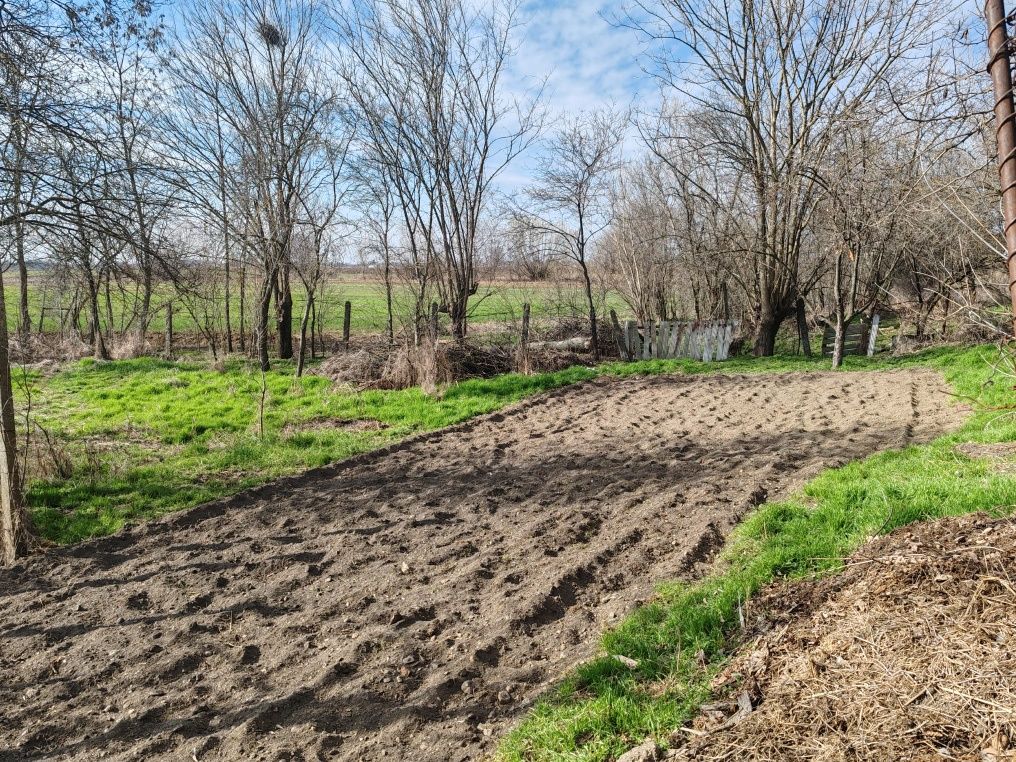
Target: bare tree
{"points": [[426, 80], [570, 201], [252, 71], [317, 232], [127, 59], [768, 86], [376, 203], [44, 110]]}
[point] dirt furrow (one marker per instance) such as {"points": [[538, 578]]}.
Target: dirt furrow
{"points": [[412, 603]]}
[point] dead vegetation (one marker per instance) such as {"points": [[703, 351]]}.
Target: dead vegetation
{"points": [[377, 365], [908, 654]]}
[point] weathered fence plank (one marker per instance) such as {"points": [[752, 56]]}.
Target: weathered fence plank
{"points": [[873, 334], [705, 340], [858, 337], [631, 338]]}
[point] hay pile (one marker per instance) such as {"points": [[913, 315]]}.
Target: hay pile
{"points": [[909, 654]]}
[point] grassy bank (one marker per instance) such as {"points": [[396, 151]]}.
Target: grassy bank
{"points": [[135, 439], [604, 708]]}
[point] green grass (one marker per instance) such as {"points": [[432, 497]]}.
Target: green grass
{"points": [[494, 302], [603, 708], [147, 437]]}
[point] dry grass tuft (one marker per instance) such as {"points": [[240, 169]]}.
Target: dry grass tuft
{"points": [[360, 368], [908, 654], [128, 347]]}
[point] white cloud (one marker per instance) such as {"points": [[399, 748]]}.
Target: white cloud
{"points": [[586, 61]]}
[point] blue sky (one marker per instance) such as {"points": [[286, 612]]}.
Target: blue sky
{"points": [[588, 63]]}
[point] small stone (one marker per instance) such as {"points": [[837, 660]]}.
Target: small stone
{"points": [[405, 568], [467, 687], [250, 655], [644, 752], [626, 661]]}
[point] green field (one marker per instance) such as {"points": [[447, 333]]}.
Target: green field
{"points": [[494, 302]]}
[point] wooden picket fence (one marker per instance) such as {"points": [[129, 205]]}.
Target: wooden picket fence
{"points": [[704, 340]]}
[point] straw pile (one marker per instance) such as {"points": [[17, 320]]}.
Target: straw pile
{"points": [[909, 654]]}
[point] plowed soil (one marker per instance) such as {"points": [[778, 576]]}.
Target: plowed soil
{"points": [[411, 603]]}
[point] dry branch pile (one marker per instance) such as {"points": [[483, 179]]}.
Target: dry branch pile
{"points": [[379, 366], [908, 654]]}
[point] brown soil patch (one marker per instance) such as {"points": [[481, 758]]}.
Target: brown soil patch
{"points": [[1001, 455], [413, 602], [326, 424], [909, 654]]}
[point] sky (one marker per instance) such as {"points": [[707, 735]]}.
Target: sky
{"points": [[587, 61]]}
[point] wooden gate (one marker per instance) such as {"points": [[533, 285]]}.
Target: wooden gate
{"points": [[859, 337], [705, 340]]}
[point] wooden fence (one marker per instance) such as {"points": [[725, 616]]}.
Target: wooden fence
{"points": [[859, 337], [705, 340]]}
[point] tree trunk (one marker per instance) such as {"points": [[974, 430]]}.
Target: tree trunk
{"points": [[243, 307], [457, 312], [24, 320], [284, 308], [261, 327], [145, 315], [229, 321], [109, 307], [98, 343], [765, 334], [17, 184], [390, 324], [303, 334], [593, 338], [840, 310], [838, 340], [802, 328], [15, 524], [313, 331], [168, 345]]}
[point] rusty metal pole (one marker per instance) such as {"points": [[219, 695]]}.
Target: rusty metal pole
{"points": [[1005, 131]]}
